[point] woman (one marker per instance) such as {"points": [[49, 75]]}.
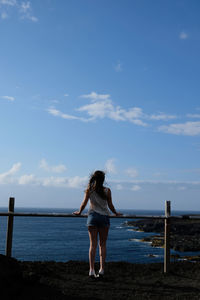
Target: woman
{"points": [[98, 221]]}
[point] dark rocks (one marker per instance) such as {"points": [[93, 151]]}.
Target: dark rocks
{"points": [[124, 281], [17, 284], [147, 225], [185, 234]]}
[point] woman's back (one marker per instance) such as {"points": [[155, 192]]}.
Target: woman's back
{"points": [[97, 203]]}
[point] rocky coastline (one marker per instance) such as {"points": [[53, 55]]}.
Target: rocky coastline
{"points": [[184, 234]]}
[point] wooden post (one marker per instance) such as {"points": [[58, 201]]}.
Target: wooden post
{"points": [[167, 237], [10, 228]]}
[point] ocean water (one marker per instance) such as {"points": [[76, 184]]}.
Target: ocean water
{"points": [[64, 239]]}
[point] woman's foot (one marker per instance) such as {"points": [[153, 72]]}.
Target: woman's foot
{"points": [[100, 274], [92, 274]]}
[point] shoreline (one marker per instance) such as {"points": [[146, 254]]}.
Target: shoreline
{"points": [[184, 234]]}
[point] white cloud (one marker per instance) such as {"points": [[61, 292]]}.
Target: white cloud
{"points": [[28, 179], [4, 15], [56, 169], [58, 182], [55, 101], [66, 95], [32, 18], [132, 172], [135, 188], [24, 9], [7, 177], [110, 166], [9, 98], [118, 67], [8, 2], [150, 181], [133, 113], [97, 109], [183, 35], [162, 116], [194, 116], [188, 128], [57, 113], [95, 96], [10, 177], [77, 181], [101, 106], [106, 109], [73, 182], [119, 187], [181, 188]]}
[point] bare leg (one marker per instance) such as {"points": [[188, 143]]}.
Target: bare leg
{"points": [[103, 234], [93, 234]]}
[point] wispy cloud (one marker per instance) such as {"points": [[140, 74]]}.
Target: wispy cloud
{"points": [[8, 2], [57, 113], [162, 116], [132, 172], [101, 106], [65, 182], [183, 35], [28, 179], [23, 8], [56, 169], [9, 98], [94, 96], [187, 128], [110, 166], [181, 188], [156, 182], [193, 116], [10, 177], [119, 187], [59, 182], [135, 188], [7, 177], [4, 15], [118, 67]]}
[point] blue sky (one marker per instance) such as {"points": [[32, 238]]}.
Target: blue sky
{"points": [[90, 84]]}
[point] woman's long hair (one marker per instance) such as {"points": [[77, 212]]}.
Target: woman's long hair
{"points": [[96, 184]]}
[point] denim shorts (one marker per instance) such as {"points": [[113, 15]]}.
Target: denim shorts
{"points": [[97, 220]]}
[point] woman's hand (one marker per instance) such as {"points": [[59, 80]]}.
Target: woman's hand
{"points": [[118, 214], [77, 213]]}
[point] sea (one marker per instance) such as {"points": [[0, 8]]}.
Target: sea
{"points": [[65, 239]]}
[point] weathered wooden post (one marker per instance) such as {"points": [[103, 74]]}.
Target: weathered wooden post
{"points": [[10, 228], [167, 237]]}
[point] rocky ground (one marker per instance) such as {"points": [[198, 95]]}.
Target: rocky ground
{"points": [[185, 234], [126, 281]]}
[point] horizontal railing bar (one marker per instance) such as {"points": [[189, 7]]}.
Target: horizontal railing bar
{"points": [[74, 216], [63, 215], [192, 215]]}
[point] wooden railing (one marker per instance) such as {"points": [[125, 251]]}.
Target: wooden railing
{"points": [[167, 217]]}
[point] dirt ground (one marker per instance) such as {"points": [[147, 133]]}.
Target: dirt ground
{"points": [[59, 281]]}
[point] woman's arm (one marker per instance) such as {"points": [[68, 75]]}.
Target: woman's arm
{"points": [[110, 204], [83, 204]]}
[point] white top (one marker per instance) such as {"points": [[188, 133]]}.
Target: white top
{"points": [[98, 204]]}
